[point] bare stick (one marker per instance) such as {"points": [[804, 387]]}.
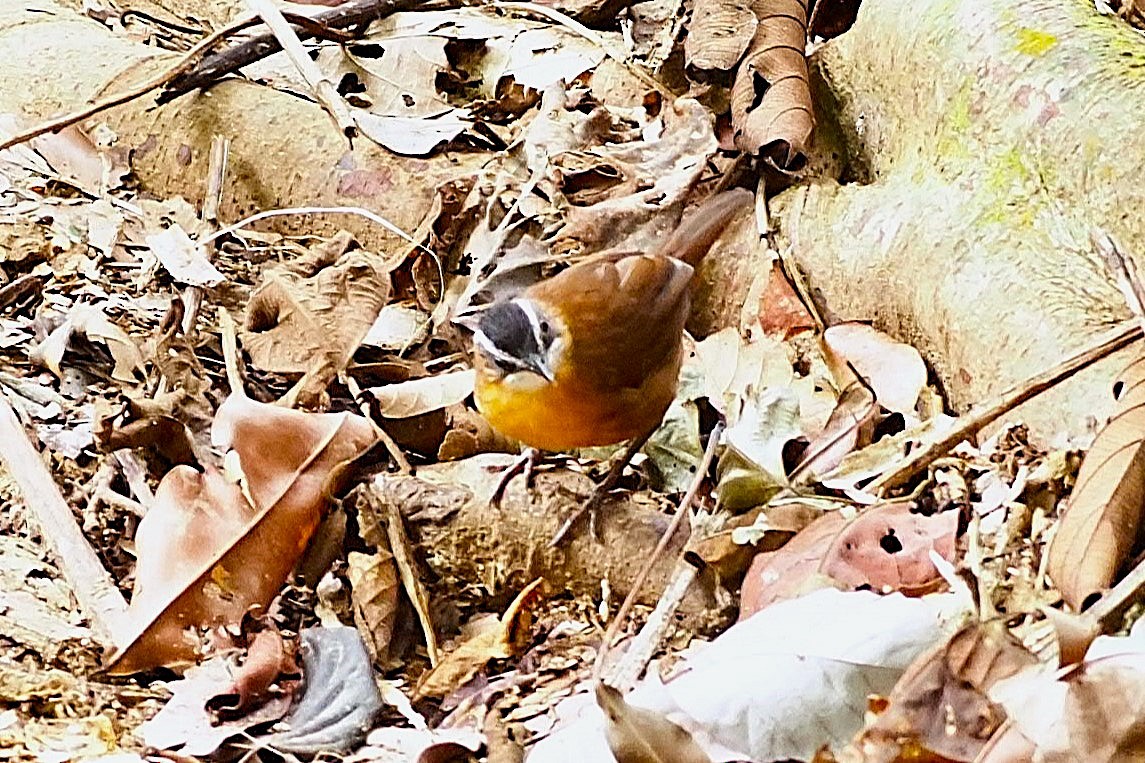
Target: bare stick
{"points": [[229, 339], [216, 177], [94, 588], [683, 511], [350, 14], [183, 65], [983, 415], [392, 447], [324, 90]]}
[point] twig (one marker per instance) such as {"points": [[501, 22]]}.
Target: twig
{"points": [[216, 181], [89, 580], [983, 415], [353, 13], [392, 447], [135, 473], [183, 65], [229, 339], [324, 90], [683, 511]]}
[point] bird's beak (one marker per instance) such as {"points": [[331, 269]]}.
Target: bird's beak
{"points": [[540, 364], [467, 320]]}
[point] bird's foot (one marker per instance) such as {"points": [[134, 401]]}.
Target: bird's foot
{"points": [[525, 464], [590, 507]]}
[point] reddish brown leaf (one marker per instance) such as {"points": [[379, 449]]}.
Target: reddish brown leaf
{"points": [[1100, 527], [719, 35], [887, 547], [206, 555], [781, 312]]}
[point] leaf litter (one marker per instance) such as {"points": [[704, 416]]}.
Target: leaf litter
{"points": [[204, 462]]}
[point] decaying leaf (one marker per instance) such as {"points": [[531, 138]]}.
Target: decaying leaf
{"points": [[771, 110], [1107, 508], [374, 593], [90, 322], [751, 469], [636, 735], [885, 548], [940, 705], [211, 549], [185, 260], [493, 638]]}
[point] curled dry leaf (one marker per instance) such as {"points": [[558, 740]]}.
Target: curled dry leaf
{"points": [[418, 396], [894, 370], [312, 325], [493, 639], [771, 110], [206, 553], [89, 321], [1101, 525], [887, 547], [719, 35]]}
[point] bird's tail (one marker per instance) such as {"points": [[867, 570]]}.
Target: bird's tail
{"points": [[698, 230]]}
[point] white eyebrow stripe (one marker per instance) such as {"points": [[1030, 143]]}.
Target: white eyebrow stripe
{"points": [[486, 344], [534, 320]]}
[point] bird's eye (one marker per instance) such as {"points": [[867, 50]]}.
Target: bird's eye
{"points": [[545, 328]]}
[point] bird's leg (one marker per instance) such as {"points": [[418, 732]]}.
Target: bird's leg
{"points": [[525, 464], [592, 505]]}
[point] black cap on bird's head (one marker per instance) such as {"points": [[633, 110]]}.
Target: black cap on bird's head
{"points": [[515, 336]]}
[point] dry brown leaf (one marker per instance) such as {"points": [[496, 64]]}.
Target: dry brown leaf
{"points": [[1100, 528], [887, 547], [771, 109], [939, 706], [849, 427], [313, 324], [206, 553], [637, 735], [494, 639], [374, 592], [418, 396], [719, 34], [90, 322], [781, 313], [894, 370]]}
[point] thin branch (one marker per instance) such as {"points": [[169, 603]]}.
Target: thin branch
{"points": [[684, 510], [93, 587], [982, 415], [323, 89]]}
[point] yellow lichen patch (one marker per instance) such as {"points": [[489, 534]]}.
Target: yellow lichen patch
{"points": [[1035, 43]]}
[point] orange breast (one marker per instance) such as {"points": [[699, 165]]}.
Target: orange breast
{"points": [[570, 413]]}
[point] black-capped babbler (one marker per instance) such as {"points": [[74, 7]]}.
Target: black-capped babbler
{"points": [[592, 355]]}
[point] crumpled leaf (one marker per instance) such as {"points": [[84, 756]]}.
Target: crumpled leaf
{"points": [[418, 396], [411, 136], [751, 469], [374, 593], [1091, 712], [636, 735], [1098, 531], [894, 370], [187, 723], [209, 549], [940, 708], [184, 259], [772, 113], [310, 319], [90, 322], [887, 547], [782, 683]]}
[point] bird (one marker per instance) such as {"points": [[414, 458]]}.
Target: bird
{"points": [[592, 355]]}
